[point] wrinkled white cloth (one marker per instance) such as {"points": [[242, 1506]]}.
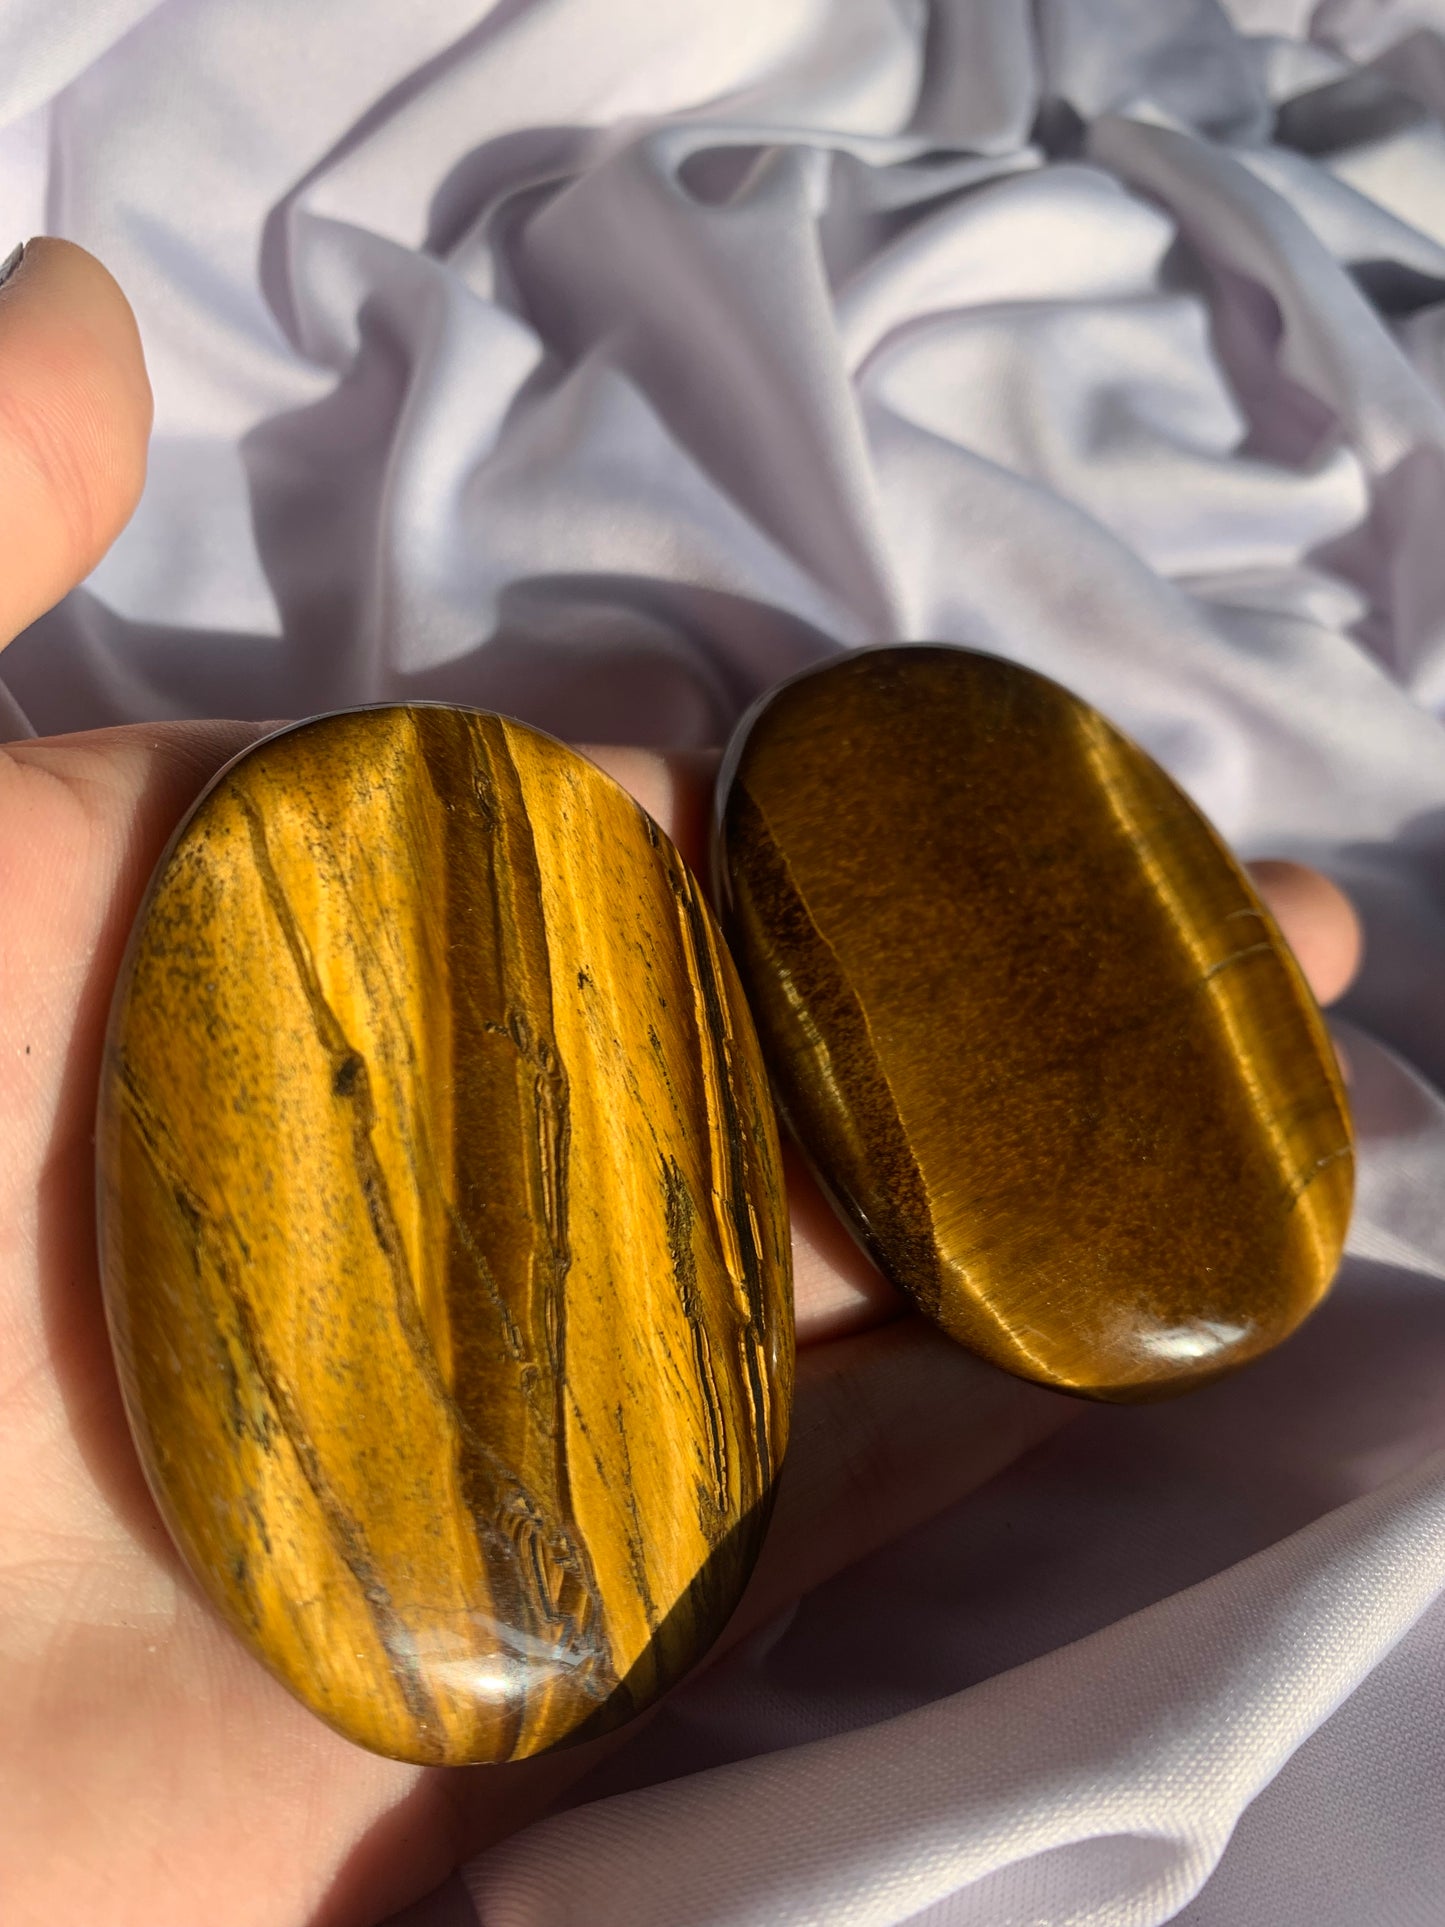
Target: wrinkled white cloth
{"points": [[606, 360]]}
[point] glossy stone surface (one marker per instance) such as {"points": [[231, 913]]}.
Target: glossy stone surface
{"points": [[443, 1237], [1029, 1020]]}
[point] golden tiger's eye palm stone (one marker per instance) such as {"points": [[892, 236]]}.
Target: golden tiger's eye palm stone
{"points": [[443, 1238], [1030, 1022]]}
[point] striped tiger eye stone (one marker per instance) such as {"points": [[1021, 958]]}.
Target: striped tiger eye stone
{"points": [[443, 1238], [1027, 1017]]}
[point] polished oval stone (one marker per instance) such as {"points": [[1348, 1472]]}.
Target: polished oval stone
{"points": [[443, 1238], [1030, 1022]]}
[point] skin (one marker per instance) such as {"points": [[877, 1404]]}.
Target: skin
{"points": [[150, 1771]]}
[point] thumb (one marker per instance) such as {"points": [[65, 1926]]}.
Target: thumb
{"points": [[75, 414]]}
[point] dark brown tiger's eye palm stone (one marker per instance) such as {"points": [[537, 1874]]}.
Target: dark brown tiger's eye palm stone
{"points": [[443, 1239], [1030, 1022]]}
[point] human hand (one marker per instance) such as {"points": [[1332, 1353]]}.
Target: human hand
{"points": [[150, 1770]]}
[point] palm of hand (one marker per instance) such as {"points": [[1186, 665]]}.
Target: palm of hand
{"points": [[137, 1732], [150, 1770]]}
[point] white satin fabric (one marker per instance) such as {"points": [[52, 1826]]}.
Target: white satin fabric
{"points": [[606, 360]]}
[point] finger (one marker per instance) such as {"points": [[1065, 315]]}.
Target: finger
{"points": [[1318, 921], [75, 414], [673, 786], [1316, 917], [889, 1428]]}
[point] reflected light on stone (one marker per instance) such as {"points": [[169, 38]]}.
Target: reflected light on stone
{"points": [[1182, 1343]]}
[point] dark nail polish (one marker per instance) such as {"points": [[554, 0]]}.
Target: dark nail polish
{"points": [[11, 263]]}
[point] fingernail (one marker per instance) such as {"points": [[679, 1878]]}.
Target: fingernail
{"points": [[11, 263]]}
